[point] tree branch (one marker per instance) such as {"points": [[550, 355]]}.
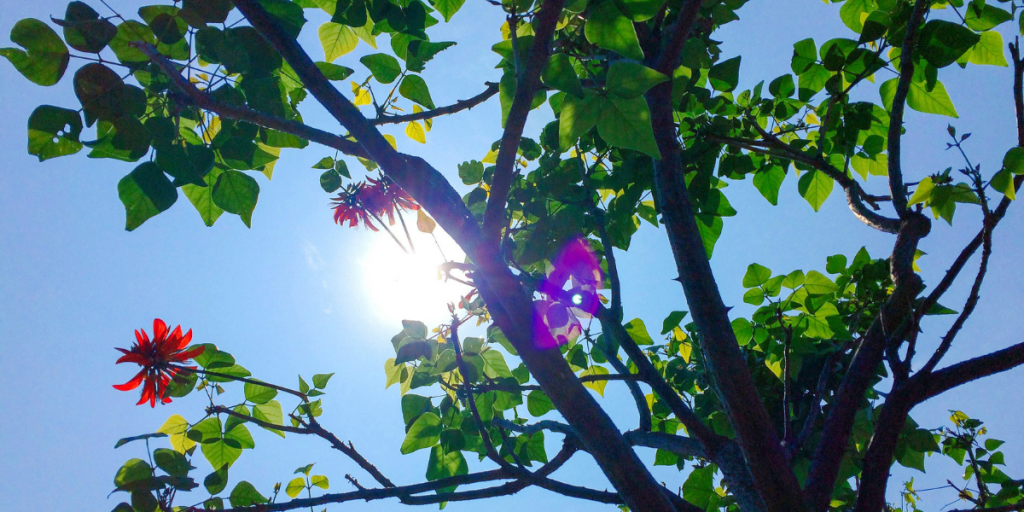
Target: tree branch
{"points": [[896, 188], [471, 402], [458, 106], [755, 431], [203, 100], [969, 305], [708, 438], [939, 382], [527, 85]]}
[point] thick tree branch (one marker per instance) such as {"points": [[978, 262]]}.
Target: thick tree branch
{"points": [[458, 106], [896, 188], [921, 387], [668, 56], [895, 320], [527, 85], [943, 380], [755, 431]]}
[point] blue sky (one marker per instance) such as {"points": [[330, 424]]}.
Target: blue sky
{"points": [[297, 294]]}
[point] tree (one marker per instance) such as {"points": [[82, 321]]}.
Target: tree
{"points": [[780, 411]]}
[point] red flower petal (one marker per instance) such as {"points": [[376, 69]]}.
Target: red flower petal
{"points": [[159, 329], [132, 384], [138, 359], [189, 354]]}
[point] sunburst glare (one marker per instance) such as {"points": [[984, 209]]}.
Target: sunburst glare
{"points": [[409, 286]]}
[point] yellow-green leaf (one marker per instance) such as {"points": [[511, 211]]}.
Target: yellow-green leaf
{"points": [[337, 40]]}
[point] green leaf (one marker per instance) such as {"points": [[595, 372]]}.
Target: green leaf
{"points": [[442, 465], [578, 116], [640, 10], [815, 186], [924, 189], [756, 275], [384, 68], [126, 440], [236, 192], [495, 366], [982, 17], [877, 165], [448, 8], [172, 462], [471, 172], [743, 330], [330, 180], [220, 453], [44, 58], [84, 30], [805, 53], [334, 71], [287, 14], [794, 279], [936, 101], [710, 227], [337, 40], [538, 403], [53, 132], [607, 28], [812, 81], [725, 75], [216, 482], [559, 74], [852, 11], [943, 42], [245, 495], [627, 124], [629, 80], [769, 181], [202, 197], [818, 284], [699, 487], [423, 433], [754, 296], [1013, 160], [672, 321], [414, 88], [420, 52], [1002, 182], [320, 481], [134, 474], [131, 32], [258, 394], [269, 412], [988, 51], [638, 331], [145, 192], [295, 486], [320, 380]]}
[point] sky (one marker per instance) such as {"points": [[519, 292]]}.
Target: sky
{"points": [[296, 294]]}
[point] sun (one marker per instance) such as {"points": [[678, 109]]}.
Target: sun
{"points": [[409, 286]]}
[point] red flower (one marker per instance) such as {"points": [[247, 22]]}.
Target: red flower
{"points": [[355, 206], [387, 196], [362, 203], [158, 360]]}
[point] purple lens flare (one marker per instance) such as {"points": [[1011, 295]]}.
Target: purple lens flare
{"points": [[569, 293]]}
